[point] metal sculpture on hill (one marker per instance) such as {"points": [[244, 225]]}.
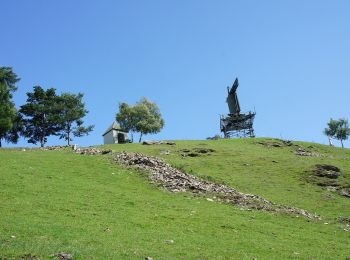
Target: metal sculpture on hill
{"points": [[236, 124]]}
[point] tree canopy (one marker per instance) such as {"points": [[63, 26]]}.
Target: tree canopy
{"points": [[8, 78], [72, 110], [41, 115], [338, 129], [8, 113], [143, 117]]}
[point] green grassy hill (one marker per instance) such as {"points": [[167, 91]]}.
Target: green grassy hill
{"points": [[58, 201]]}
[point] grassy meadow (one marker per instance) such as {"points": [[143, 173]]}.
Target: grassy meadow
{"points": [[58, 201]]}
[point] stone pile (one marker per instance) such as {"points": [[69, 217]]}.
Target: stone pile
{"points": [[92, 151], [175, 180]]}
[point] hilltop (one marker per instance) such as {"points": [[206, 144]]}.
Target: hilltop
{"points": [[91, 207]]}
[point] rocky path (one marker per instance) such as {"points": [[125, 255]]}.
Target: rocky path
{"points": [[175, 180]]}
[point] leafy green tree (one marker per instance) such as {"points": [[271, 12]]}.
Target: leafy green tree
{"points": [[331, 130], [72, 111], [149, 119], [338, 129], [143, 117], [8, 112], [343, 132], [41, 115], [126, 118], [8, 78]]}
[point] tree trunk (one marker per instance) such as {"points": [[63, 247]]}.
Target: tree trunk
{"points": [[68, 135], [330, 141], [42, 141], [140, 137], [342, 145], [0, 142]]}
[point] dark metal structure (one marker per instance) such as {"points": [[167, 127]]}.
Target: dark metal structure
{"points": [[236, 124]]}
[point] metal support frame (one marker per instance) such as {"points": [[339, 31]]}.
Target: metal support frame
{"points": [[239, 125]]}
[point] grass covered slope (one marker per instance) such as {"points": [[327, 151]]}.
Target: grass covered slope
{"points": [[57, 201], [257, 166]]}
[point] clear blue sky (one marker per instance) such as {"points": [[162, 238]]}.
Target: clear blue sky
{"points": [[292, 59]]}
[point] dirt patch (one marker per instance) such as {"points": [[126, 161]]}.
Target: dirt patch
{"points": [[175, 180], [329, 177], [28, 257], [309, 151], [276, 143], [204, 150], [195, 152], [328, 171]]}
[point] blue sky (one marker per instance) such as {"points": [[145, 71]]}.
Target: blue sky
{"points": [[292, 59]]}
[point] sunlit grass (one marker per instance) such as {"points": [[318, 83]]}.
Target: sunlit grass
{"points": [[57, 201]]}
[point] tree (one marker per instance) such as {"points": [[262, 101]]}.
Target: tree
{"points": [[144, 117], [338, 129], [343, 132], [8, 78], [331, 131], [41, 115], [149, 119], [8, 112], [72, 111], [126, 119]]}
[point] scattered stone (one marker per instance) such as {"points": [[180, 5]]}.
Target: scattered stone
{"points": [[175, 180], [54, 148], [165, 152], [328, 171], [106, 151], [208, 199], [148, 258], [345, 192], [275, 161], [64, 256], [157, 142], [13, 236], [28, 257], [331, 188], [170, 241], [344, 220], [93, 151], [303, 152]]}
